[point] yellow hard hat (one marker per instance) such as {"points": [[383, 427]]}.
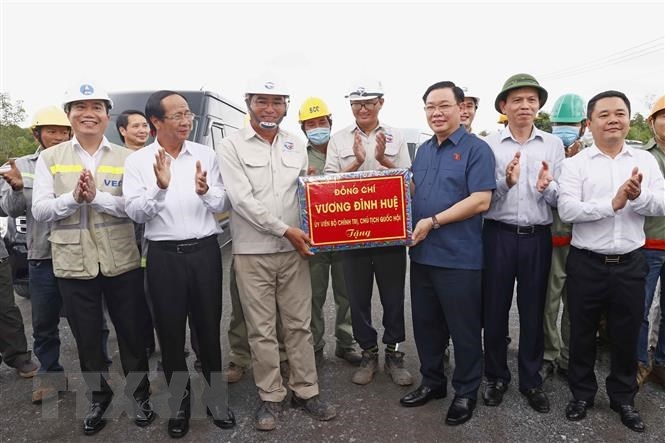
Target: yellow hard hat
{"points": [[658, 106], [503, 118], [313, 107], [50, 116]]}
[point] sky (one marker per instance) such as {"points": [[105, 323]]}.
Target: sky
{"points": [[320, 49]]}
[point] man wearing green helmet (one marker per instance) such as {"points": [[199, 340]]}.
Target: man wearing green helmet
{"points": [[568, 123]]}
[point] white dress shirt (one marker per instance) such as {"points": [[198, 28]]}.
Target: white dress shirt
{"points": [[522, 204], [48, 208], [590, 180], [177, 212]]}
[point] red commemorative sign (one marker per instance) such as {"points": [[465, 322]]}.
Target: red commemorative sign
{"points": [[357, 209]]}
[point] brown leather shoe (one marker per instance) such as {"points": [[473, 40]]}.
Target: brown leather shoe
{"points": [[233, 373], [643, 372]]}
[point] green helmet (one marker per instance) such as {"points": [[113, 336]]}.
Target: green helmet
{"points": [[569, 108], [520, 81]]}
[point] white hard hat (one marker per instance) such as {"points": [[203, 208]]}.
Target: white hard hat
{"points": [[366, 89], [267, 84], [469, 93], [85, 91]]}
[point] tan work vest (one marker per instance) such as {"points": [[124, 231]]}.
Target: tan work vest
{"points": [[89, 241]]}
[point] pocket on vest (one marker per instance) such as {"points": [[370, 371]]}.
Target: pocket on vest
{"points": [[122, 240], [67, 250]]}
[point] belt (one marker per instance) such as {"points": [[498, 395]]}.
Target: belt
{"points": [[609, 259], [519, 230], [184, 246]]}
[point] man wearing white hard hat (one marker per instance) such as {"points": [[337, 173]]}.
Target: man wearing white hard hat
{"points": [[369, 145], [469, 107], [260, 165], [78, 190]]}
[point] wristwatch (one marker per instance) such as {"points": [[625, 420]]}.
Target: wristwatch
{"points": [[435, 224]]}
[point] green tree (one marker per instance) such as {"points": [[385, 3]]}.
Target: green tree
{"points": [[14, 140], [639, 130], [542, 121]]}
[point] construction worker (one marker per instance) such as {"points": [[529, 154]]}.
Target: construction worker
{"points": [[49, 127], [369, 145], [261, 164], [315, 121], [78, 190], [654, 252], [568, 123], [469, 107]]}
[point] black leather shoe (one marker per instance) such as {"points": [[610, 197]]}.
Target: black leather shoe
{"points": [[421, 396], [460, 411], [576, 409], [630, 417], [493, 394], [224, 420], [179, 426], [537, 400], [94, 420], [144, 414]]}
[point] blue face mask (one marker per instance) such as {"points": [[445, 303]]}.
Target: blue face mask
{"points": [[318, 136], [567, 134]]}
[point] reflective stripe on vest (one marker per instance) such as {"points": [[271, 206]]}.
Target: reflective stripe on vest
{"points": [[65, 168], [119, 170], [558, 241]]}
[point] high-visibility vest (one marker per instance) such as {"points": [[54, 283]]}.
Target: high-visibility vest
{"points": [[89, 241]]}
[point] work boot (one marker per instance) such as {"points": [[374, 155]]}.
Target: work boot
{"points": [[643, 372], [394, 366], [368, 367], [233, 373], [349, 354], [314, 407], [266, 415], [27, 368], [658, 374]]}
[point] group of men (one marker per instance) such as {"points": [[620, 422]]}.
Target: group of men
{"points": [[482, 220]]}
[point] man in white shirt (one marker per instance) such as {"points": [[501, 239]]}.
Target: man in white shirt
{"points": [[517, 239], [606, 191], [78, 191], [174, 187], [368, 145]]}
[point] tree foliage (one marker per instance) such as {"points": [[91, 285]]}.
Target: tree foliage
{"points": [[639, 129], [542, 122], [14, 140]]}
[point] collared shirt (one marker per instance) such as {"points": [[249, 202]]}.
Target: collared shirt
{"points": [[590, 180], [340, 149], [48, 208], [262, 184], [443, 176], [18, 203], [654, 227], [522, 204], [177, 212]]}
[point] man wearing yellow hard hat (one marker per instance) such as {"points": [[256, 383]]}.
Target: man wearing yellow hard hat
{"points": [[316, 120], [50, 127], [654, 252]]}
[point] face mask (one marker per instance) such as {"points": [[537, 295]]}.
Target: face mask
{"points": [[567, 134], [318, 136]]}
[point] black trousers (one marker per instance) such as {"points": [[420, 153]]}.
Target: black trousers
{"points": [[618, 288], [511, 256], [388, 266], [446, 303], [185, 279], [82, 300]]}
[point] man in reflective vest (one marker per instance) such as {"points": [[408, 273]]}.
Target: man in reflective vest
{"points": [[78, 190]]}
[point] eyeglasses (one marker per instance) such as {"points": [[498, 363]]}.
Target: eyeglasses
{"points": [[444, 109], [180, 116], [357, 106], [262, 103]]}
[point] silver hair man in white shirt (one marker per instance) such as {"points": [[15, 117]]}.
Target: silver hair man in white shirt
{"points": [[174, 187], [606, 192]]}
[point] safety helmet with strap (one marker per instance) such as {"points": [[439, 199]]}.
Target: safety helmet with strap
{"points": [[313, 107], [569, 108]]}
